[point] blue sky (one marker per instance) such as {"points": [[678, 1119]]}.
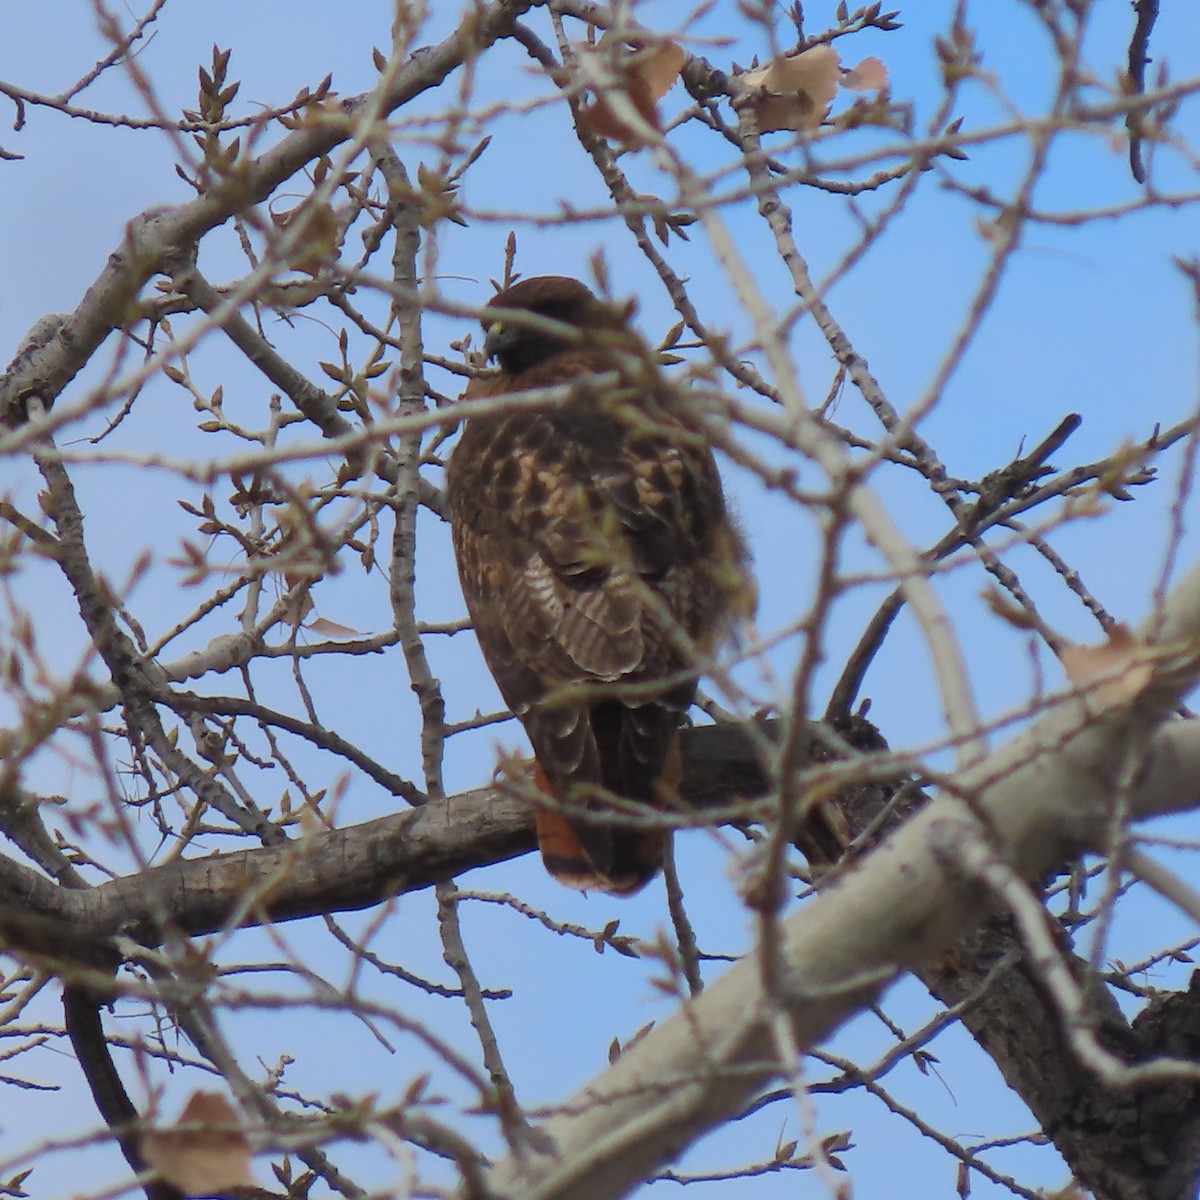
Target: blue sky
{"points": [[1091, 318]]}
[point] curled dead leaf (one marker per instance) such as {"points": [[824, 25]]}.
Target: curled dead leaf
{"points": [[644, 78], [869, 76], [319, 240], [1114, 672], [326, 628], [796, 91], [205, 1152], [300, 602]]}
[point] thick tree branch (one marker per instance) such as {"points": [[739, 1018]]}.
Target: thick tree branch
{"points": [[340, 871], [1041, 799]]}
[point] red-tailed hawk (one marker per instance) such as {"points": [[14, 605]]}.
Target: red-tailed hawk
{"points": [[599, 567]]}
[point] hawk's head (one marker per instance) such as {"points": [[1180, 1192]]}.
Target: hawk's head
{"points": [[535, 319]]}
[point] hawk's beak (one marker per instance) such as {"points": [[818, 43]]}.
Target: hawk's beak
{"points": [[499, 338]]}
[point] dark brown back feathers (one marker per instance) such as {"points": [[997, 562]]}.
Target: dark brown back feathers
{"points": [[597, 562]]}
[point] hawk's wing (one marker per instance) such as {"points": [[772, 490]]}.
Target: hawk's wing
{"points": [[589, 546]]}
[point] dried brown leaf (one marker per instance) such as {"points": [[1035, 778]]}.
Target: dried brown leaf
{"points": [[320, 238], [869, 76], [795, 91], [299, 606], [646, 77], [331, 629], [659, 67], [963, 1183], [205, 1152], [1111, 673]]}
